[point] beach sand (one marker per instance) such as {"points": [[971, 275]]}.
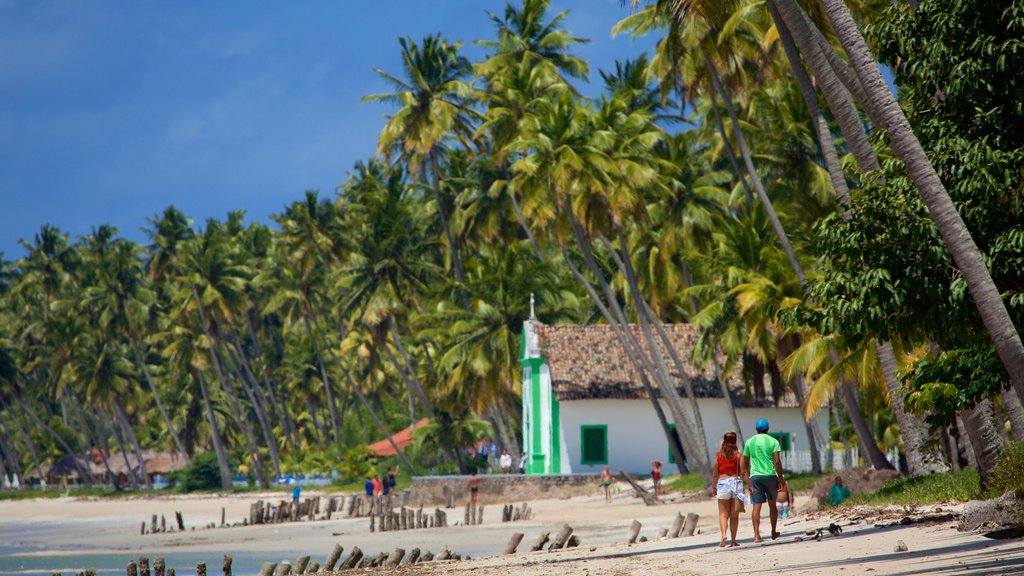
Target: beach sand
{"points": [[51, 528]]}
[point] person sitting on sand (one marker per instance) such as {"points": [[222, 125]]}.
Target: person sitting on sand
{"points": [[762, 469], [656, 477], [727, 487], [784, 499], [839, 492], [606, 482]]}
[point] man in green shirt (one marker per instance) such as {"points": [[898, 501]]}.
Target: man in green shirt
{"points": [[762, 468]]}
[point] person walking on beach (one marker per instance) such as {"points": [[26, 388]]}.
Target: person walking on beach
{"points": [[762, 468], [474, 488], [606, 482], [727, 487], [296, 492], [656, 477]]}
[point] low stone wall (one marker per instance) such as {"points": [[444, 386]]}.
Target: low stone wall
{"points": [[500, 488]]}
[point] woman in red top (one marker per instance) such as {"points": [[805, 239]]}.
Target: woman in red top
{"points": [[727, 487]]}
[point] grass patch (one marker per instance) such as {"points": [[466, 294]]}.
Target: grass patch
{"points": [[692, 482], [803, 482], [959, 487]]}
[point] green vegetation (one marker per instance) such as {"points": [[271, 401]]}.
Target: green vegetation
{"points": [[957, 487], [1008, 474], [270, 350], [692, 482]]}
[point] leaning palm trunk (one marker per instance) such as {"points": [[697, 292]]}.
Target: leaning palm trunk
{"points": [[314, 336], [814, 438], [122, 417], [119, 435], [985, 440], [82, 471], [413, 380], [674, 440], [654, 364], [867, 439], [242, 417], [9, 455], [215, 437], [920, 461], [951, 227], [1014, 413], [156, 398], [24, 436], [647, 319], [251, 388]]}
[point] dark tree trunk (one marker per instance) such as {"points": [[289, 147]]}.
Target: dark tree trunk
{"points": [[218, 441]]}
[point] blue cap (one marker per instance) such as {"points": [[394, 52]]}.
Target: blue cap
{"points": [[762, 425]]}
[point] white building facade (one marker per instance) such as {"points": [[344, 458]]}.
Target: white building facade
{"points": [[582, 410]]}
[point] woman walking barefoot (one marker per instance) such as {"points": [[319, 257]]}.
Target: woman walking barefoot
{"points": [[727, 487]]}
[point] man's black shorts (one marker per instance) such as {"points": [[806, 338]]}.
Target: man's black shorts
{"points": [[765, 488]]}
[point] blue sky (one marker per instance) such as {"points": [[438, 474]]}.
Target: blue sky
{"points": [[111, 110]]}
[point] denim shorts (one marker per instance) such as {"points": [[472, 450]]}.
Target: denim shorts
{"points": [[728, 488]]}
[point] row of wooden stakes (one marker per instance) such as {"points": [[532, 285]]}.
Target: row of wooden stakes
{"points": [[407, 519]]}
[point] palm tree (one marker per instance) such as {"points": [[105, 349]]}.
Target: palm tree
{"points": [[434, 108]]}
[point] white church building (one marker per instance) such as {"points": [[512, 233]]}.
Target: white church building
{"points": [[584, 407]]}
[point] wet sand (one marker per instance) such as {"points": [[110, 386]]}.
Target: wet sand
{"points": [[59, 530]]}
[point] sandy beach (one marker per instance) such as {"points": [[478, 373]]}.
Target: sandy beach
{"points": [[62, 533]]}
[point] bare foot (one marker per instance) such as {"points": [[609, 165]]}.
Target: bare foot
{"points": [[734, 545], [776, 535], [757, 540], [722, 543]]}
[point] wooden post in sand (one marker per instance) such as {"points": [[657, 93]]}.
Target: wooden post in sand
{"points": [[541, 541], [691, 524], [143, 566], [300, 564], [313, 567], [158, 566], [163, 523], [513, 543], [480, 515], [133, 569], [677, 526], [181, 521], [353, 558], [634, 532], [152, 526], [333, 557], [226, 565], [395, 557], [563, 536], [267, 568], [201, 569], [411, 557]]}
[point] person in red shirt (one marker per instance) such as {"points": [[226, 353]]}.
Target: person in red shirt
{"points": [[727, 487], [656, 477]]}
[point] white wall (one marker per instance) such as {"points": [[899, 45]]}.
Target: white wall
{"points": [[635, 437]]}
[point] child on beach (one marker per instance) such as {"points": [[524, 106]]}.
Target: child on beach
{"points": [[656, 477], [784, 499], [606, 482]]}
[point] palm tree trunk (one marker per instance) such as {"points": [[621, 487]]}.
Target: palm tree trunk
{"points": [[122, 417], [1014, 413], [104, 435], [674, 440], [795, 28], [921, 461], [270, 396], [82, 471], [249, 385], [653, 364], [979, 421], [951, 227], [10, 455], [242, 417], [156, 398], [869, 448], [648, 318], [814, 438], [373, 414], [414, 381], [215, 437], [119, 435], [727, 146], [453, 248], [25, 438], [332, 408]]}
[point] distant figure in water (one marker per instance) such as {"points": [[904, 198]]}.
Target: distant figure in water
{"points": [[606, 482], [839, 492]]}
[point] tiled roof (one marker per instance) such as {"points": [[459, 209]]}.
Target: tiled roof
{"points": [[587, 362]]}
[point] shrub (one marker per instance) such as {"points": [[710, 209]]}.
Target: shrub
{"points": [[1008, 474], [202, 474], [356, 464]]}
